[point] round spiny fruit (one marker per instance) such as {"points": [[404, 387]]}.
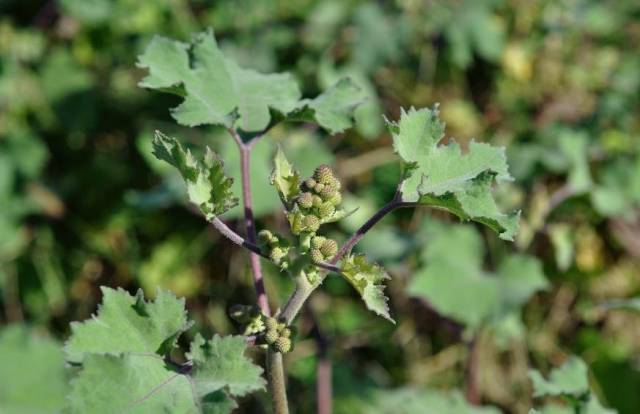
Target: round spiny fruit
{"points": [[328, 191], [329, 248], [271, 324], [317, 241], [296, 223], [326, 210], [282, 345], [323, 174], [286, 333], [317, 256], [271, 336], [317, 201], [305, 200], [311, 223], [310, 183], [318, 188]]}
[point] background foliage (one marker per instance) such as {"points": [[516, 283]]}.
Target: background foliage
{"points": [[83, 203]]}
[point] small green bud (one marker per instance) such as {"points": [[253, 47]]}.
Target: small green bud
{"points": [[329, 248], [310, 183], [296, 223], [326, 210], [311, 223], [271, 324], [305, 200], [271, 336], [282, 345], [265, 236], [241, 313], [277, 254], [316, 255], [336, 199], [318, 188], [317, 201], [317, 241]]}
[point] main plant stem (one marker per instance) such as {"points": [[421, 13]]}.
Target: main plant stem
{"points": [[275, 366], [250, 225]]}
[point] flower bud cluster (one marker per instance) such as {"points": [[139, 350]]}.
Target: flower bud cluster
{"points": [[276, 247], [277, 335], [250, 317], [317, 202]]}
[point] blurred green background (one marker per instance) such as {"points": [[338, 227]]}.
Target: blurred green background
{"points": [[84, 204]]}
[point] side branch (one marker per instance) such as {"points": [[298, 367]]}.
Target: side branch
{"points": [[236, 238]]}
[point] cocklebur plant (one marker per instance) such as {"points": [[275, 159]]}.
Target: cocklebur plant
{"points": [[128, 345]]}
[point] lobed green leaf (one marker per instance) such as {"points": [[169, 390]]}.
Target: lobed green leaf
{"points": [[442, 176]]}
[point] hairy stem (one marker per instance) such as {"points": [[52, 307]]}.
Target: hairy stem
{"points": [[250, 224], [236, 238], [277, 383]]}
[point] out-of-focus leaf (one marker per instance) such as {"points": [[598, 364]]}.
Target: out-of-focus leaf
{"points": [[33, 377], [454, 282]]}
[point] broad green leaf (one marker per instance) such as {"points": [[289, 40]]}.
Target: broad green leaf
{"points": [[207, 185], [368, 279], [129, 383], [137, 376], [285, 179], [125, 323], [454, 282], [332, 110], [220, 362], [216, 90], [33, 376], [441, 176]]}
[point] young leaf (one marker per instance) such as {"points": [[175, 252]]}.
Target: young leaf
{"points": [[367, 278], [217, 91], [207, 185], [285, 179], [442, 176], [220, 362], [457, 286], [128, 324]]}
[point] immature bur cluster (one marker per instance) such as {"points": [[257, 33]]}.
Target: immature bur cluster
{"points": [[322, 249], [268, 331], [317, 202], [276, 247]]}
